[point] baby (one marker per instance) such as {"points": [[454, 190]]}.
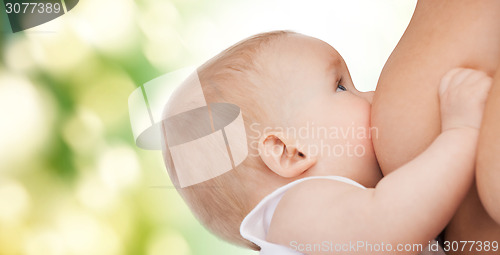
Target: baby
{"points": [[323, 192]]}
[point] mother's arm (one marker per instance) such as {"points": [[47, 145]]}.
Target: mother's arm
{"points": [[488, 159]]}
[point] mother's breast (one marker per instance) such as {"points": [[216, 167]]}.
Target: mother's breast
{"points": [[405, 111], [440, 36]]}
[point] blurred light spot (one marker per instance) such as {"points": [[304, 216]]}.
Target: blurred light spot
{"points": [[166, 54], [59, 53], [119, 168], [14, 201], [25, 120], [157, 19], [84, 235], [18, 55], [92, 193], [163, 46], [44, 242], [168, 243], [108, 97], [109, 25], [199, 35], [83, 131], [11, 239]]}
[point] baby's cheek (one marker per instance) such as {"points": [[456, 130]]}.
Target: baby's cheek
{"points": [[361, 131], [359, 112], [363, 115]]}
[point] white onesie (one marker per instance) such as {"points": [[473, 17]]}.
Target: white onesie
{"points": [[256, 224]]}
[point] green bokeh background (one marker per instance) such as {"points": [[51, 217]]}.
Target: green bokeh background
{"points": [[72, 180]]}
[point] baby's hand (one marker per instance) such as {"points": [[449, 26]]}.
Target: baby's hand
{"points": [[462, 95]]}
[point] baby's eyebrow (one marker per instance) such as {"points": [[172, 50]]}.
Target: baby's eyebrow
{"points": [[332, 68], [333, 63]]}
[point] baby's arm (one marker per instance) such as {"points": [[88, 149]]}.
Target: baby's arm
{"points": [[411, 205]]}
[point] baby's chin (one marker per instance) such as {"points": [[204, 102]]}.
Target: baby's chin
{"points": [[360, 165], [368, 171]]}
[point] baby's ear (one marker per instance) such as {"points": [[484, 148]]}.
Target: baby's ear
{"points": [[282, 155]]}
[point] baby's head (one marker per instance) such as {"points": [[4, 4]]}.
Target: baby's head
{"points": [[303, 117]]}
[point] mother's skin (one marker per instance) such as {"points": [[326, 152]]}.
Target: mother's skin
{"points": [[442, 35]]}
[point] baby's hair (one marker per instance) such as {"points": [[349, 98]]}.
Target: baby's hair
{"points": [[233, 76]]}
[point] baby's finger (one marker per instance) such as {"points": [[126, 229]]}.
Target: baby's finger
{"points": [[447, 79], [448, 75], [476, 78], [486, 83], [461, 76]]}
